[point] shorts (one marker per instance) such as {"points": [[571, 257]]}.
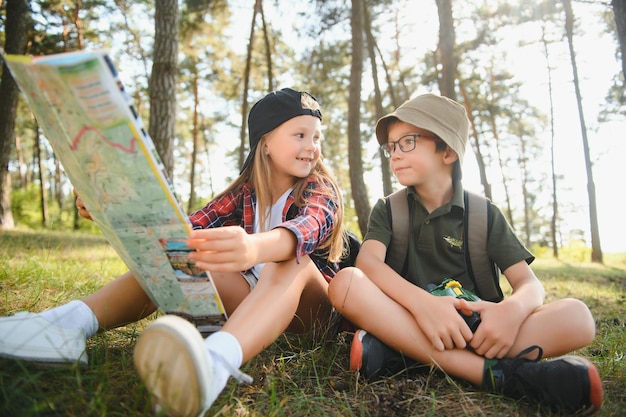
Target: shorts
{"points": [[250, 278]]}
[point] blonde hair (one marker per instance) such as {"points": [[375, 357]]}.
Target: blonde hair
{"points": [[260, 175]]}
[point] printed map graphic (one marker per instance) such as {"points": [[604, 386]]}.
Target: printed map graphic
{"points": [[112, 163]]}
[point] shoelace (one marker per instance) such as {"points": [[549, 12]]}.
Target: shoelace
{"points": [[531, 387], [502, 380], [234, 372], [519, 359], [532, 384]]}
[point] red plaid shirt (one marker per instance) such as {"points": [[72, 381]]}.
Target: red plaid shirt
{"points": [[312, 224]]}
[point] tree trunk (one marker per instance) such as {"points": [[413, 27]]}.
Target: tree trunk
{"points": [[78, 24], [23, 170], [555, 205], [268, 49], [523, 167], [163, 81], [42, 178], [17, 12], [619, 13], [355, 158], [596, 250], [378, 100], [446, 49], [195, 134], [246, 84], [475, 137]]}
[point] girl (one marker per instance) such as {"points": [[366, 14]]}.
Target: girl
{"points": [[271, 242]]}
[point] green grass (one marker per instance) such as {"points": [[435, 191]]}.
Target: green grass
{"points": [[293, 377]]}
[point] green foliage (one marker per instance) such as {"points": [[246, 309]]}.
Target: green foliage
{"points": [[296, 376], [577, 252], [26, 209]]}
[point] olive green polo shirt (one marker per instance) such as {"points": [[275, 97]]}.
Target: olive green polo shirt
{"points": [[436, 240]]}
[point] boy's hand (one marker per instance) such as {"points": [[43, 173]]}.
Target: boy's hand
{"points": [[82, 210], [500, 324], [441, 323]]}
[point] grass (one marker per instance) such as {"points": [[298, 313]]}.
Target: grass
{"points": [[293, 377]]}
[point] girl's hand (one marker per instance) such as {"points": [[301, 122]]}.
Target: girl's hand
{"points": [[223, 249], [82, 210], [499, 325], [441, 323]]}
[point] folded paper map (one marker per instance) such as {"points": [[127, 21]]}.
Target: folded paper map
{"points": [[86, 115]]}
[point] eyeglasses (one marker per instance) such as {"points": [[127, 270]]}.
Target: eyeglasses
{"points": [[406, 143]]}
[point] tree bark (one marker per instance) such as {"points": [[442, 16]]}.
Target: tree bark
{"points": [[596, 250], [246, 84], [378, 100], [355, 158], [553, 176], [17, 16], [41, 168], [195, 135], [446, 49], [619, 13], [163, 81]]}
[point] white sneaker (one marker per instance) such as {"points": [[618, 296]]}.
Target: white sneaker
{"points": [[176, 367], [28, 336]]}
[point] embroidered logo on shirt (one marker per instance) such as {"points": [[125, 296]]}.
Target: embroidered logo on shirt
{"points": [[454, 242]]}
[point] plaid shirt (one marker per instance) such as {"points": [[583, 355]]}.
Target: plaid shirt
{"points": [[312, 224]]}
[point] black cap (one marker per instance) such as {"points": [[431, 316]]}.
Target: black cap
{"points": [[275, 109]]}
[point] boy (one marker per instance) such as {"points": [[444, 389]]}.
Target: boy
{"points": [[425, 139]]}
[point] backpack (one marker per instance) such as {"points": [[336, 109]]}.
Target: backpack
{"points": [[476, 223]]}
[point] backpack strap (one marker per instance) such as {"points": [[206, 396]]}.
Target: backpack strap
{"points": [[398, 213], [480, 267], [477, 223]]}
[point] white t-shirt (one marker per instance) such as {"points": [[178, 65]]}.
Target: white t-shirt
{"points": [[274, 219]]}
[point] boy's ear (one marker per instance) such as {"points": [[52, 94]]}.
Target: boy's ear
{"points": [[450, 156]]}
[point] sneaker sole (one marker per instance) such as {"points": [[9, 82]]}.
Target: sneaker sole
{"points": [[171, 360], [356, 350], [39, 358], [41, 342], [595, 384]]}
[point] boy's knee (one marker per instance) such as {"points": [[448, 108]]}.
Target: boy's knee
{"points": [[585, 314], [340, 285], [578, 308], [579, 312]]}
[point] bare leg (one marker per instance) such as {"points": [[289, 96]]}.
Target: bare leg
{"points": [[232, 288], [353, 295], [120, 302], [558, 327], [284, 289]]}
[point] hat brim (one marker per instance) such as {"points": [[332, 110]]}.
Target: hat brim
{"points": [[406, 116]]}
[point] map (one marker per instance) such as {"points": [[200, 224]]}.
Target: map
{"points": [[95, 132]]}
